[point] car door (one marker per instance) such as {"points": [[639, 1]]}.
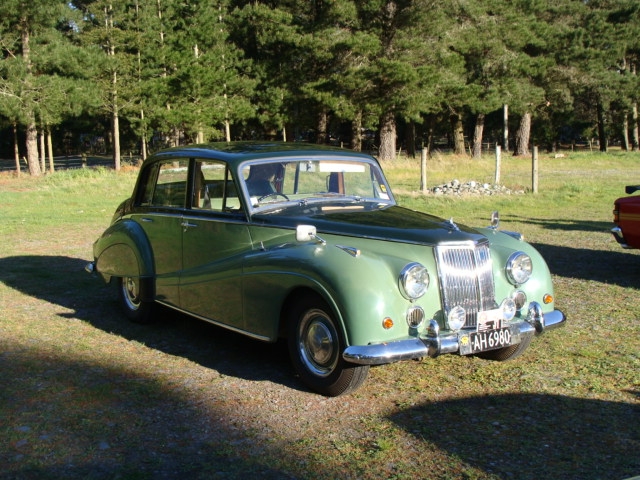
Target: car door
{"points": [[214, 242], [159, 213]]}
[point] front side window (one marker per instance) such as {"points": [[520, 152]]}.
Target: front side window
{"points": [[213, 188]]}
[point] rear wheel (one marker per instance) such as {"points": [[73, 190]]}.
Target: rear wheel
{"points": [[131, 291], [507, 353], [316, 345]]}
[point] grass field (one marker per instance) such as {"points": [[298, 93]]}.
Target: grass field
{"points": [[84, 394]]}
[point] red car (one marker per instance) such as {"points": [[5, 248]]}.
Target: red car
{"points": [[626, 216]]}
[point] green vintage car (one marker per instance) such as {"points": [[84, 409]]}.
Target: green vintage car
{"points": [[299, 241]]}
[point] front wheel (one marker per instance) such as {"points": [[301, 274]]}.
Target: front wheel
{"points": [[316, 345], [131, 292]]}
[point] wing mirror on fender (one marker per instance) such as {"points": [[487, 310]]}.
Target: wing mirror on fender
{"points": [[306, 233]]}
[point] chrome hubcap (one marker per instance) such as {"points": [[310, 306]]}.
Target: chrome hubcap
{"points": [[318, 343], [131, 292]]}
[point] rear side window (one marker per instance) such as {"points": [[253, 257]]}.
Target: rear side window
{"points": [[165, 184]]}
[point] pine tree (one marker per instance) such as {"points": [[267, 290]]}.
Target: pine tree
{"points": [[107, 25], [593, 55], [271, 36], [207, 89], [26, 28], [402, 72]]}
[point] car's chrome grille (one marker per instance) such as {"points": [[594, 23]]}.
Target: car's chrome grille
{"points": [[466, 279]]}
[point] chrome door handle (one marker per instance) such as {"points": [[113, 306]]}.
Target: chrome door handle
{"points": [[186, 225]]}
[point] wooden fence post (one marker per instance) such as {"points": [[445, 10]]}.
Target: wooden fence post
{"points": [[423, 170], [498, 158]]}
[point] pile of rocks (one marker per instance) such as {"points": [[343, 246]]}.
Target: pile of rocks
{"points": [[472, 188]]}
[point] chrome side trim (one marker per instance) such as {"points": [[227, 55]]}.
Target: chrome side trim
{"points": [[354, 252], [217, 324]]}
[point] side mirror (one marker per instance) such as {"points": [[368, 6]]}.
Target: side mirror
{"points": [[306, 233]]}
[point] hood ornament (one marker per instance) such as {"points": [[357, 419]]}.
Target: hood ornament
{"points": [[495, 220], [451, 224]]}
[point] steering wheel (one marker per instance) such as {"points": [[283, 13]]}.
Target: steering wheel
{"points": [[274, 195]]}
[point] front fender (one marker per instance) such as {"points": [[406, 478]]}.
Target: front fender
{"points": [[361, 289], [540, 283], [123, 250]]}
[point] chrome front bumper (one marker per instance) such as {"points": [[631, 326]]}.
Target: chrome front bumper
{"points": [[434, 343]]}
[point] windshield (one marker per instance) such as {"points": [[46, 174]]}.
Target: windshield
{"points": [[301, 182]]}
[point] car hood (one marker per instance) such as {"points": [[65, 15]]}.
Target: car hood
{"points": [[391, 223]]}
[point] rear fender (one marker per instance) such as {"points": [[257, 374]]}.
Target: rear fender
{"points": [[123, 250]]}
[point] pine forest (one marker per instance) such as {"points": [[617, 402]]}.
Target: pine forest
{"points": [[134, 76]]}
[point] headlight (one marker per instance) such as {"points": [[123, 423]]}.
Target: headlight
{"points": [[414, 281], [519, 268]]}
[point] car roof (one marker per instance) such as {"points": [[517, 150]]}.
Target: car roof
{"points": [[235, 153]]}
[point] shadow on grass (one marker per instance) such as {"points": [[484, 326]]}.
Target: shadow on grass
{"points": [[563, 224], [615, 268], [62, 281], [75, 419], [506, 435], [619, 267], [65, 419]]}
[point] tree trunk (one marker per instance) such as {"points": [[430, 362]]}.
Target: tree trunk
{"points": [[387, 136], [634, 127], [116, 139], [50, 151], [32, 147], [625, 133], [16, 149], [430, 126], [410, 139], [634, 118], [115, 119], [356, 132], [458, 134], [505, 127], [602, 131], [143, 140], [477, 136], [32, 132], [323, 121], [43, 164], [522, 135]]}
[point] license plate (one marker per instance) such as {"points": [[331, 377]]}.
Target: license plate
{"points": [[490, 340]]}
